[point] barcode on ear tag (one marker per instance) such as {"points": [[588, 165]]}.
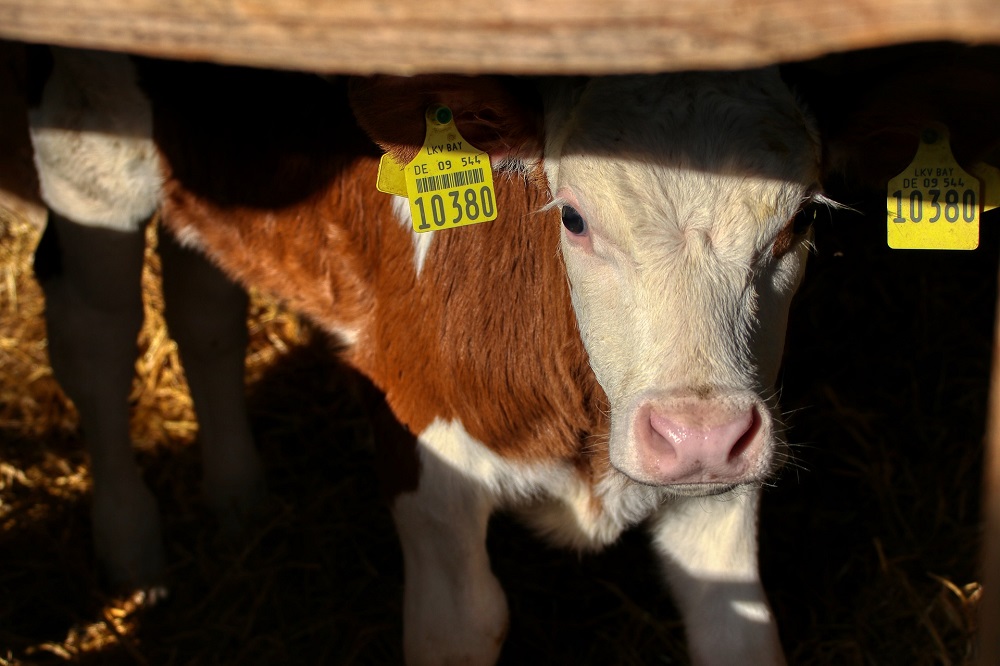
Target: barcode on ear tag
{"points": [[449, 183]]}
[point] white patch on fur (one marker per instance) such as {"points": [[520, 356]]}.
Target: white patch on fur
{"points": [[505, 480], [752, 610], [454, 609], [190, 238], [708, 548], [92, 136], [421, 242], [555, 500], [579, 516], [347, 337]]}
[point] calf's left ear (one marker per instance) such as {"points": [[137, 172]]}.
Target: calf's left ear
{"points": [[497, 114], [871, 107]]}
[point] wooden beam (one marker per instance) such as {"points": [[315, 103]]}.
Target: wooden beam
{"points": [[514, 36]]}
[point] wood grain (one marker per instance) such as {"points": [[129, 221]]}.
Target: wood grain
{"points": [[514, 36]]}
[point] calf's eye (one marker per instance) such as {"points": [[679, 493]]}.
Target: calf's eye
{"points": [[573, 221], [794, 230], [803, 221]]}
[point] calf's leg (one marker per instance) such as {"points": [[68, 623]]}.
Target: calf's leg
{"points": [[708, 546], [454, 610], [91, 132], [93, 312], [206, 315]]}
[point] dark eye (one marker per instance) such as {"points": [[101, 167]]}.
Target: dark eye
{"points": [[794, 230], [803, 221], [573, 221]]}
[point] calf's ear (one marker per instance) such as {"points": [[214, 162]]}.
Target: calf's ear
{"points": [[873, 105], [500, 115]]}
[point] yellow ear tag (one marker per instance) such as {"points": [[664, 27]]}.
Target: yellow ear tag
{"points": [[390, 176], [450, 183], [934, 204]]}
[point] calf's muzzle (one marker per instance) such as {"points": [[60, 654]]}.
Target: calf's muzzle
{"points": [[683, 440]]}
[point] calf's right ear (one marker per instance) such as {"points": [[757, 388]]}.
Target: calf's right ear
{"points": [[496, 114]]}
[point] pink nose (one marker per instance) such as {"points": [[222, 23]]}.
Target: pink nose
{"points": [[698, 441]]}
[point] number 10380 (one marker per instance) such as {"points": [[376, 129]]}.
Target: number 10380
{"points": [[454, 208], [932, 206]]}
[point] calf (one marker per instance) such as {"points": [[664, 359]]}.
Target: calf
{"points": [[99, 176], [614, 370]]}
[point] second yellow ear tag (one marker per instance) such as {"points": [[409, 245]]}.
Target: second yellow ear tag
{"points": [[449, 183], [934, 204]]}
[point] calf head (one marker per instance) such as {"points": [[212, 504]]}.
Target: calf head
{"points": [[679, 197]]}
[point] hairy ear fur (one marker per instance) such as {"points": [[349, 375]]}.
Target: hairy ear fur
{"points": [[500, 115]]}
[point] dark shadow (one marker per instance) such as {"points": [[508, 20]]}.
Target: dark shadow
{"points": [[886, 374], [17, 170], [316, 580], [47, 572], [872, 105], [249, 137]]}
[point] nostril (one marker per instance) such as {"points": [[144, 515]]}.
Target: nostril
{"points": [[743, 443], [664, 434]]}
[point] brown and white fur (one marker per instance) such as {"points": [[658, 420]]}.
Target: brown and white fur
{"points": [[594, 380]]}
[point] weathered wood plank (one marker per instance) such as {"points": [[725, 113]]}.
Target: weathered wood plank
{"points": [[515, 36]]}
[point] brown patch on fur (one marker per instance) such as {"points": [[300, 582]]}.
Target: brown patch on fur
{"points": [[785, 240], [485, 335]]}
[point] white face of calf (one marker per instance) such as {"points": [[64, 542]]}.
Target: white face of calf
{"points": [[678, 194]]}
